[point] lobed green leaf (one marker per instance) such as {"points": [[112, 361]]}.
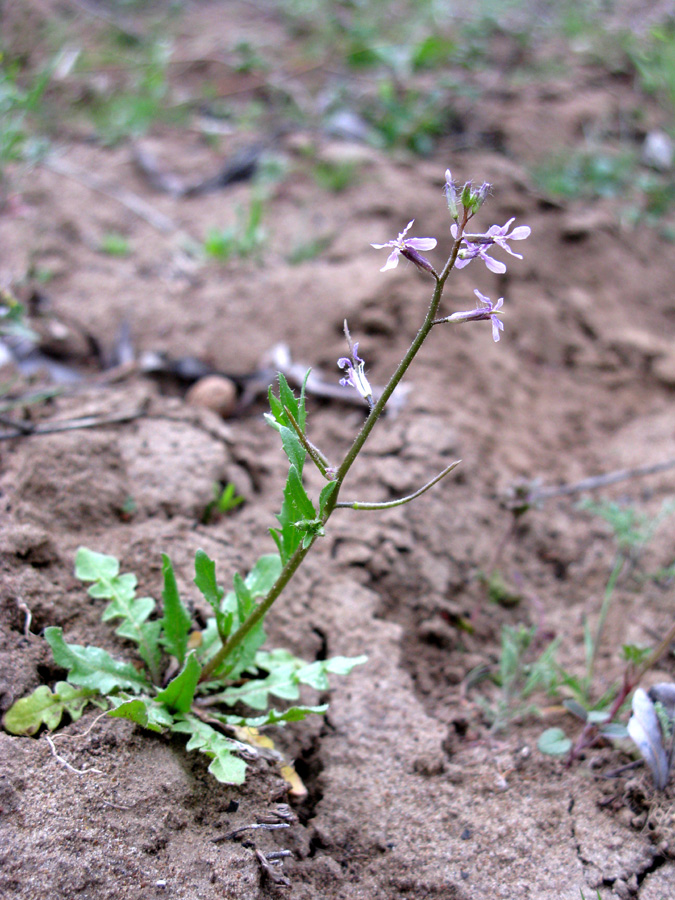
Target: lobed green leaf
{"points": [[273, 716], [92, 667], [43, 707], [144, 711], [121, 591], [286, 674], [225, 766]]}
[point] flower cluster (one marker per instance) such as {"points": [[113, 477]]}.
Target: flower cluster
{"points": [[463, 203]]}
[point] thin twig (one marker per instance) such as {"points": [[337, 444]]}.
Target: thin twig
{"points": [[131, 201], [598, 481], [261, 826], [73, 424]]}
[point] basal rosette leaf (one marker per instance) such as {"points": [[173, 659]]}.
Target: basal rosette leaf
{"points": [[144, 711], [92, 667], [44, 707], [225, 766], [176, 622], [316, 674], [121, 591], [273, 716], [286, 674], [263, 575], [179, 693]]}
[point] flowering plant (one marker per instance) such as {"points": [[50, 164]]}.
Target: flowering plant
{"points": [[190, 679]]}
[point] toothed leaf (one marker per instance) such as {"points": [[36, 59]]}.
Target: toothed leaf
{"points": [[205, 579], [143, 711], [121, 591], [179, 693], [92, 667], [225, 766], [176, 620]]}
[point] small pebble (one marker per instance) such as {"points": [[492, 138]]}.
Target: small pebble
{"points": [[214, 392], [658, 151]]}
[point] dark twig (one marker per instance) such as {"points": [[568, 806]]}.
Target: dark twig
{"points": [[131, 201], [261, 826], [22, 429], [598, 481]]}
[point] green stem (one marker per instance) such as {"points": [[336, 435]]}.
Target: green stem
{"points": [[604, 610], [314, 453], [258, 613]]}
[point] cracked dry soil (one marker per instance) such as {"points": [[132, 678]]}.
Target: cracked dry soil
{"points": [[408, 795]]}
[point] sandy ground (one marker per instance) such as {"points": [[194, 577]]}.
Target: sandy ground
{"points": [[410, 795]]}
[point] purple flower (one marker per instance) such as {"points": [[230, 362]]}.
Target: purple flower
{"points": [[477, 245], [409, 248], [500, 236], [356, 376], [486, 310]]}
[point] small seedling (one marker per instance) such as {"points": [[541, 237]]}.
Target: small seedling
{"points": [[225, 499], [521, 673], [115, 244], [336, 176], [191, 679], [632, 532], [242, 240]]}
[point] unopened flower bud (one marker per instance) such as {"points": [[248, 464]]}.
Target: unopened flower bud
{"points": [[451, 195], [420, 261]]}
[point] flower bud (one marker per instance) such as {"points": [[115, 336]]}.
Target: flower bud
{"points": [[451, 195], [420, 261]]}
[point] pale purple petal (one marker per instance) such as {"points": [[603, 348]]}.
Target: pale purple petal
{"points": [[382, 246], [461, 263], [509, 250], [392, 260], [520, 233], [497, 326], [493, 265], [421, 243], [482, 298]]}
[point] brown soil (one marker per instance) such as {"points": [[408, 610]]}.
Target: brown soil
{"points": [[410, 796]]}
